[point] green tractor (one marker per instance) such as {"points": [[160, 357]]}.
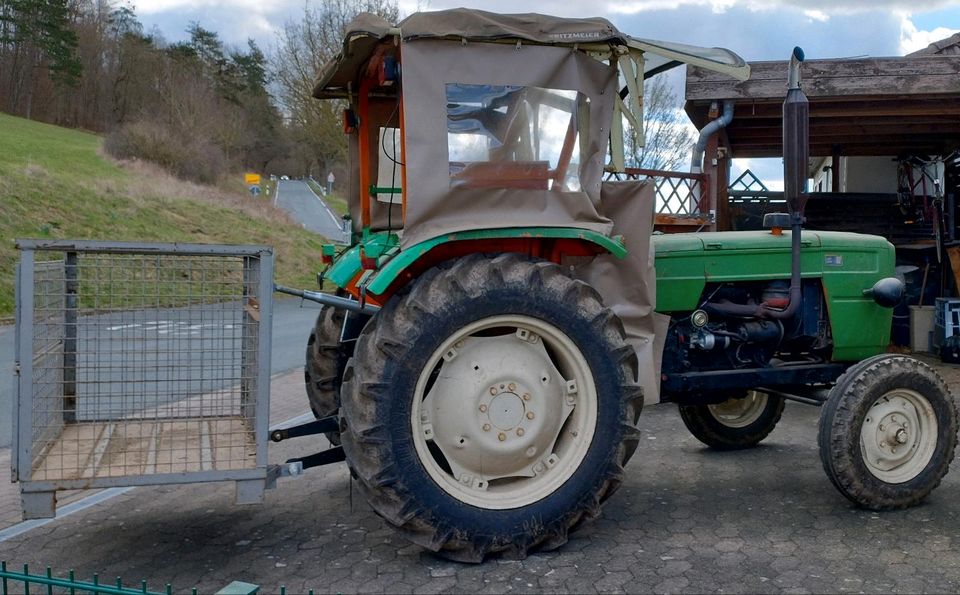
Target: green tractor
{"points": [[502, 313]]}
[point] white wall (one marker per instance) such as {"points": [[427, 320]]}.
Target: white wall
{"points": [[868, 174]]}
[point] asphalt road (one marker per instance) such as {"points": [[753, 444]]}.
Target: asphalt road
{"points": [[292, 321], [309, 209]]}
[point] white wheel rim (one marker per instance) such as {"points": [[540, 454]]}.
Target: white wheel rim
{"points": [[898, 436], [740, 413], [512, 411]]}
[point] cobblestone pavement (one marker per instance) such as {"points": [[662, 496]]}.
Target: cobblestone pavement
{"points": [[686, 520]]}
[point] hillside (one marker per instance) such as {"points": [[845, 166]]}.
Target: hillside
{"points": [[55, 183]]}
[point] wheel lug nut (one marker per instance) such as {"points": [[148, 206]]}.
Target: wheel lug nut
{"points": [[486, 427], [520, 432], [512, 387], [526, 396], [501, 436], [493, 390], [529, 414], [483, 408]]}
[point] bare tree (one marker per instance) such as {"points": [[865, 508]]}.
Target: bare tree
{"points": [[668, 135], [303, 48]]}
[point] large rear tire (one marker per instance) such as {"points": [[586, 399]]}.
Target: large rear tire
{"points": [[888, 432], [735, 423], [491, 408], [326, 360]]}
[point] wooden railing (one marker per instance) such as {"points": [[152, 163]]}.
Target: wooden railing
{"points": [[681, 198]]}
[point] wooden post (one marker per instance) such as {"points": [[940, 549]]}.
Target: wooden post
{"points": [[835, 171], [721, 180], [710, 166]]}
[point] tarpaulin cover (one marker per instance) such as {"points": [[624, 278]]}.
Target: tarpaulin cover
{"points": [[436, 205], [465, 24], [628, 285]]}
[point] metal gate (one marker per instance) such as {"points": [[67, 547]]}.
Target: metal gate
{"points": [[140, 364]]}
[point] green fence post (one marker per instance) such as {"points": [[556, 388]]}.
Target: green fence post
{"points": [[49, 585], [72, 579]]}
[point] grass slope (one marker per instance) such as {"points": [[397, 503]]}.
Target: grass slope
{"points": [[54, 183]]}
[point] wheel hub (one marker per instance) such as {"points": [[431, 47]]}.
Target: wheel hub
{"points": [[898, 436], [504, 412], [739, 413]]}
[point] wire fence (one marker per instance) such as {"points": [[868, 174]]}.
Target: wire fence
{"points": [[12, 581], [141, 360]]}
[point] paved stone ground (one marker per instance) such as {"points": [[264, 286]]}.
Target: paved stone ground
{"points": [[686, 520]]}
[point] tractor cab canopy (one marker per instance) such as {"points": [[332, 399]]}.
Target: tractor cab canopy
{"points": [[464, 122], [463, 119]]}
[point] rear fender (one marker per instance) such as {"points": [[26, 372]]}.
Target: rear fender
{"points": [[396, 268]]}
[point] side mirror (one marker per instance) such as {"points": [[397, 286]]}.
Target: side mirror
{"points": [[886, 292]]}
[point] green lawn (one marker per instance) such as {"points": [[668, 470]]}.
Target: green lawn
{"points": [[54, 183]]}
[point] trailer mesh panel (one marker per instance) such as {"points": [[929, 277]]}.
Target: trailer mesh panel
{"points": [[142, 364]]}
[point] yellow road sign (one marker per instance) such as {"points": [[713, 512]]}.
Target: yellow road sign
{"points": [[251, 179]]}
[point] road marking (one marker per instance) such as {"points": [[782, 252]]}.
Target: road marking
{"points": [[276, 192], [336, 221], [110, 493]]}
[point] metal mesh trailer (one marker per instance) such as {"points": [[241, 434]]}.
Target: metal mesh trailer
{"points": [[140, 364]]}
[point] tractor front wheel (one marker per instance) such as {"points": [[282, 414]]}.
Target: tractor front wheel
{"points": [[737, 423], [888, 432], [491, 408]]}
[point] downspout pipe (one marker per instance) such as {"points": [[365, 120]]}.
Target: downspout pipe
{"points": [[696, 161]]}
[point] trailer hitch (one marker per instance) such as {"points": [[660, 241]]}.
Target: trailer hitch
{"points": [[319, 426], [297, 465], [329, 300]]}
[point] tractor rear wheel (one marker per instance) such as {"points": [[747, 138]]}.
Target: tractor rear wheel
{"points": [[326, 359], [888, 432], [491, 408], [735, 423]]}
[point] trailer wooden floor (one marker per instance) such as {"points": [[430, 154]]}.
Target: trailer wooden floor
{"points": [[114, 449]]}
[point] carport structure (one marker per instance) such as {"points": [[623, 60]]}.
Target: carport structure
{"points": [[860, 108]]}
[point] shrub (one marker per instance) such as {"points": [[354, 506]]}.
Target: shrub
{"points": [[190, 158]]}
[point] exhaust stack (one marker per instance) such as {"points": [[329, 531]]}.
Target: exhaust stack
{"points": [[796, 157], [796, 142]]}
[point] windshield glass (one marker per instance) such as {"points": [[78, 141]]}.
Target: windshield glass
{"points": [[504, 136]]}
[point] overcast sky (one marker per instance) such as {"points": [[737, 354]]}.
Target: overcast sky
{"points": [[755, 29]]}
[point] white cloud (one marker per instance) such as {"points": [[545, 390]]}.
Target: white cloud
{"points": [[816, 9], [248, 6], [913, 39]]}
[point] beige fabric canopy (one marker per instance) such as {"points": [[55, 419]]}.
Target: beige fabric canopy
{"points": [[466, 24]]}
